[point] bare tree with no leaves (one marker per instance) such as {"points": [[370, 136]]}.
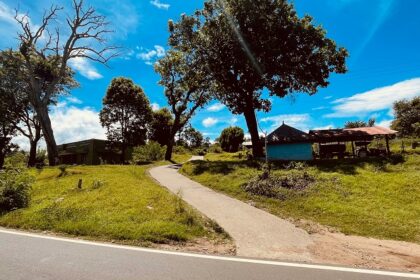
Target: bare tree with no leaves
{"points": [[48, 52]]}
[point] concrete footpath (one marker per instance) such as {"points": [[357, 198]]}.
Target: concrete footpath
{"points": [[256, 233]]}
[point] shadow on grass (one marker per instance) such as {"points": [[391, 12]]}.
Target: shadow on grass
{"points": [[349, 165]]}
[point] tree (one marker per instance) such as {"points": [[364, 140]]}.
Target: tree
{"points": [[407, 117], [186, 88], [192, 137], [231, 138], [14, 85], [47, 53], [160, 126], [355, 124], [251, 46], [126, 114], [8, 118]]}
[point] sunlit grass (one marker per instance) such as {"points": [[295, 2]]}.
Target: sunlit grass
{"points": [[115, 202], [372, 198]]}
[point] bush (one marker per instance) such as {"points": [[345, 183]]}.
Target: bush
{"points": [[180, 150], [215, 148], [14, 189], [16, 160], [150, 152], [275, 187]]}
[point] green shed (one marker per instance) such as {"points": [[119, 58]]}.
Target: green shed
{"points": [[289, 143]]}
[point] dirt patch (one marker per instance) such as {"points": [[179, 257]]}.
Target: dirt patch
{"points": [[202, 246], [340, 249]]}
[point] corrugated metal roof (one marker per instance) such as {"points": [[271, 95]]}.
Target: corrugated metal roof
{"points": [[287, 134], [373, 130]]}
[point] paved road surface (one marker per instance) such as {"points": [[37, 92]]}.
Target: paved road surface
{"points": [[28, 256], [257, 233]]}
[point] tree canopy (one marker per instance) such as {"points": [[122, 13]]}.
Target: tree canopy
{"points": [[160, 126], [126, 114], [250, 47], [47, 49], [186, 88], [407, 117], [231, 138], [355, 124]]}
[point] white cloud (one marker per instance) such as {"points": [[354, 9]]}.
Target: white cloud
{"points": [[375, 100], [330, 126], [160, 5], [74, 100], [74, 124], [6, 14], [216, 107], [70, 124], [150, 55], [209, 122], [384, 123], [233, 120], [319, 108], [155, 106], [85, 68], [328, 97], [300, 121]]}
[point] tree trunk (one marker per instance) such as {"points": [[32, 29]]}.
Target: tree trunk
{"points": [[169, 148], [2, 156], [32, 154], [251, 122], [44, 119], [123, 149]]}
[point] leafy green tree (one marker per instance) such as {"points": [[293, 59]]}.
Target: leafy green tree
{"points": [[160, 126], [186, 88], [231, 138], [250, 46], [48, 48], [355, 124], [13, 75], [126, 114], [7, 128], [407, 117], [192, 137]]}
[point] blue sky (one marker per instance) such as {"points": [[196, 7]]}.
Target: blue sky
{"points": [[382, 36]]}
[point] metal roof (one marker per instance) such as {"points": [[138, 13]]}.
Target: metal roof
{"points": [[288, 134], [373, 130]]}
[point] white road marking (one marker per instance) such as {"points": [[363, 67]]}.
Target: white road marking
{"points": [[232, 259]]}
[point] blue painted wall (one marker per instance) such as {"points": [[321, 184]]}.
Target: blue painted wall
{"points": [[298, 151]]}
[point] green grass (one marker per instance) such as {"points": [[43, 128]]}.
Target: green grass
{"points": [[115, 203], [369, 198]]}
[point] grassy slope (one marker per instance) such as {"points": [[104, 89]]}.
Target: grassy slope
{"points": [[364, 198], [127, 206]]}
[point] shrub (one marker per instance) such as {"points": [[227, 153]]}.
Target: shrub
{"points": [[16, 160], [152, 151], [63, 170], [180, 150], [275, 187], [215, 148], [14, 189]]}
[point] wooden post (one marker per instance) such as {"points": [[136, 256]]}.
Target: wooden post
{"points": [[79, 185], [387, 145], [352, 148]]}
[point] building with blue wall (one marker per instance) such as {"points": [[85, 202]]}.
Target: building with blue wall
{"points": [[289, 143]]}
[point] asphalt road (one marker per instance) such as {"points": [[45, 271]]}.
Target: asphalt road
{"points": [[30, 256]]}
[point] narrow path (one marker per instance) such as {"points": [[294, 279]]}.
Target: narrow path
{"points": [[256, 233]]}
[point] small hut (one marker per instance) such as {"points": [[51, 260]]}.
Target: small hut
{"points": [[288, 143]]}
